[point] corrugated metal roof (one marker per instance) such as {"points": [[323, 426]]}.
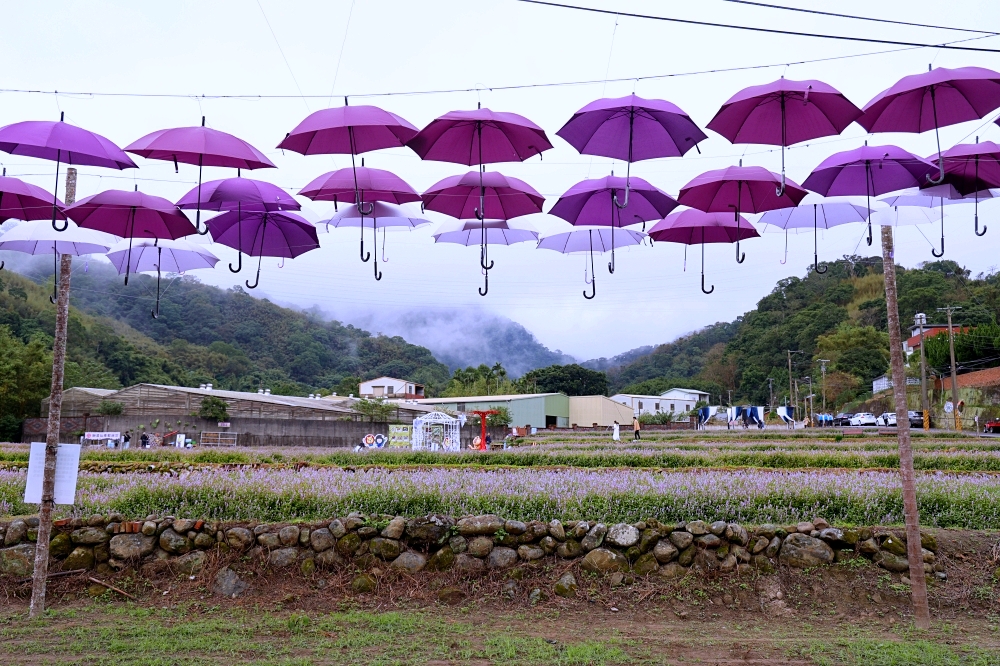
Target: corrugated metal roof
{"points": [[485, 398], [286, 400]]}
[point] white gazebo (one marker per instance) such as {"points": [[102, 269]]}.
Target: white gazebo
{"points": [[437, 432]]}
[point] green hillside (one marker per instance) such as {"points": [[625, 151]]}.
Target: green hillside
{"points": [[204, 334]]}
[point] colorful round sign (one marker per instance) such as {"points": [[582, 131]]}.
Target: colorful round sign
{"points": [[380, 441], [369, 440]]}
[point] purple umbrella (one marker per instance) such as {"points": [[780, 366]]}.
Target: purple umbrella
{"points": [[501, 197], [130, 215], [386, 214], [936, 98], [631, 129], [972, 167], [275, 234], [485, 233], [161, 255], [723, 190], [480, 137], [63, 143], [373, 185], [203, 146], [818, 214], [869, 170], [237, 194], [693, 226], [23, 201], [583, 240], [349, 130], [782, 113], [594, 203]]}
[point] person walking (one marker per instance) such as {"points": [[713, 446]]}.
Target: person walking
{"points": [[144, 440], [615, 434], [127, 439], [635, 427]]}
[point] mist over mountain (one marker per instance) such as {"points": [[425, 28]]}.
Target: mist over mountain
{"points": [[603, 364], [461, 338]]}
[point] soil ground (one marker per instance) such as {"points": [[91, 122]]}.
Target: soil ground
{"points": [[851, 613]]}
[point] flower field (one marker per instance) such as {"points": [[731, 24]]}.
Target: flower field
{"points": [[747, 496]]}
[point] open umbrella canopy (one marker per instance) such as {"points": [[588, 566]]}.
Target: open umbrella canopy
{"points": [[631, 129], [784, 112], [64, 143], [935, 196], [161, 255], [23, 201], [591, 203], [490, 232], [824, 212], [382, 215], [739, 189], [264, 234], [39, 237], [348, 130], [479, 136], [502, 197], [244, 193], [579, 240], [933, 99], [131, 215], [373, 185], [868, 171], [202, 146], [970, 167], [900, 216], [692, 226]]}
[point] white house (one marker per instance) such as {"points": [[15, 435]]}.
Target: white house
{"points": [[641, 404], [679, 400], [390, 387]]}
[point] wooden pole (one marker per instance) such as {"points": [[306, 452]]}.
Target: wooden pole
{"points": [[40, 574], [918, 585]]}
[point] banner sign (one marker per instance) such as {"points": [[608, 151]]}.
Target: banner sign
{"points": [[225, 424], [67, 466], [101, 436], [399, 436]]}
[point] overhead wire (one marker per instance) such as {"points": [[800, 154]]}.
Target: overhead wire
{"points": [[772, 31]]}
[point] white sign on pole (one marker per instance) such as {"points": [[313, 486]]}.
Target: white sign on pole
{"points": [[100, 436], [67, 466], [949, 407]]}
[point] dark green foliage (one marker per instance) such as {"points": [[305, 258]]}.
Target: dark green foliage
{"points": [[376, 409], [569, 379], [214, 408], [110, 408]]}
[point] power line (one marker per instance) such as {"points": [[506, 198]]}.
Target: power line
{"points": [[857, 18], [772, 31]]}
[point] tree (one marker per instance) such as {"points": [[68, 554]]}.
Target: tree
{"points": [[376, 409], [112, 408], [862, 351], [569, 379], [214, 408], [501, 419]]}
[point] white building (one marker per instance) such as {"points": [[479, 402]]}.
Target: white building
{"points": [[390, 387], [641, 404], [679, 400]]}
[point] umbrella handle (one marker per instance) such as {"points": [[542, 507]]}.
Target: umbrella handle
{"points": [[239, 265], [486, 285], [940, 178], [622, 204], [977, 233], [611, 264], [785, 261], [156, 313], [593, 275], [55, 276], [706, 291], [703, 290], [816, 244], [935, 252], [740, 257], [593, 290], [869, 231], [977, 202], [779, 191], [256, 282], [364, 257], [2, 265], [366, 211], [55, 191]]}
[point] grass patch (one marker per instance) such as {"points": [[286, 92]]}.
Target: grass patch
{"points": [[898, 653]]}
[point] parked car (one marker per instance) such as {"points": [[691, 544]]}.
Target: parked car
{"points": [[992, 425], [887, 420], [864, 419], [842, 419], [917, 419]]}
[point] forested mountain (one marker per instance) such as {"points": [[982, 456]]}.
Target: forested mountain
{"points": [[838, 316], [203, 334]]}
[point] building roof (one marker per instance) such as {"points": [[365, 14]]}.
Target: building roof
{"points": [[100, 392], [286, 400], [395, 379], [484, 398], [685, 390], [637, 395]]}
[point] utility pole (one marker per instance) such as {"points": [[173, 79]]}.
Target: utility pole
{"points": [[920, 319], [822, 367], [954, 379], [40, 574], [770, 391], [795, 397], [730, 392], [790, 376], [911, 512]]}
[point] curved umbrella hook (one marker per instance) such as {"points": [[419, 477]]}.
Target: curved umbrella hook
{"points": [[257, 280], [364, 257], [55, 274], [785, 260], [239, 239], [933, 251], [816, 246], [197, 219], [486, 285], [739, 257], [780, 190], [378, 273], [940, 178], [483, 249], [593, 279], [977, 202], [611, 264], [54, 199], [131, 236], [263, 232], [703, 290], [159, 254], [384, 259], [628, 168]]}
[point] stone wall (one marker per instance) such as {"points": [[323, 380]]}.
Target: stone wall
{"points": [[470, 545]]}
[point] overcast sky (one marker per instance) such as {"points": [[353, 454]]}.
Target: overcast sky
{"points": [[339, 47]]}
